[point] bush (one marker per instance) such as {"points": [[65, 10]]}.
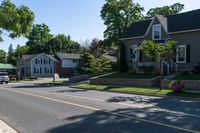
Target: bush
{"points": [[196, 69], [176, 86], [186, 72], [131, 71], [147, 69], [95, 65], [156, 72]]}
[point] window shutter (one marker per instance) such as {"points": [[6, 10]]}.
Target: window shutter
{"points": [[36, 61], [41, 60], [40, 70], [51, 70], [34, 70], [45, 69], [131, 51], [140, 56], [188, 54], [49, 61]]}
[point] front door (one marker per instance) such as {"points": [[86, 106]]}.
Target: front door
{"points": [[135, 54]]}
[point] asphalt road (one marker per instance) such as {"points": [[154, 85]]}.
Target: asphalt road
{"points": [[34, 109]]}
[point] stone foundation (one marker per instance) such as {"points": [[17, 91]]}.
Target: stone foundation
{"points": [[126, 82]]}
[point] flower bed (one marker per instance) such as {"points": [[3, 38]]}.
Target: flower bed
{"points": [[188, 84]]}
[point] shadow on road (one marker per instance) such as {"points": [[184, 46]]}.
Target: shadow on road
{"points": [[172, 104], [101, 122]]}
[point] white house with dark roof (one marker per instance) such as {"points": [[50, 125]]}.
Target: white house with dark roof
{"points": [[38, 65], [45, 65]]}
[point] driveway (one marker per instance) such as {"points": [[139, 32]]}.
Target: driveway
{"points": [[33, 109]]}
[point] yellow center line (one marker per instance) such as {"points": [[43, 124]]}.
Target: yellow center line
{"points": [[100, 110], [124, 104]]}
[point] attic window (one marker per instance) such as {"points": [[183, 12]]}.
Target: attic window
{"points": [[156, 32]]}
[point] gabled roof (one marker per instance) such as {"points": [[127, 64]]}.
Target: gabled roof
{"points": [[174, 23], [30, 57], [137, 29], [68, 56], [184, 21]]}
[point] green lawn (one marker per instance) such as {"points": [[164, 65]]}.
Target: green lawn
{"points": [[129, 76], [188, 77], [152, 91]]}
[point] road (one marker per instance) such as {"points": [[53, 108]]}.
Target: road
{"points": [[33, 109]]}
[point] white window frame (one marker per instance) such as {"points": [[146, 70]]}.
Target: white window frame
{"points": [[185, 52], [153, 34]]}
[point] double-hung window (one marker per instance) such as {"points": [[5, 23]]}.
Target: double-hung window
{"points": [[181, 54], [156, 32], [38, 70]]}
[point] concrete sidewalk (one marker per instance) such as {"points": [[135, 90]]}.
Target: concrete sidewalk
{"points": [[4, 128]]}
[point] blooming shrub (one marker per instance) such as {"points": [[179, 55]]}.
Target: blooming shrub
{"points": [[176, 86]]}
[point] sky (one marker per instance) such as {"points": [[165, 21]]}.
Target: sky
{"points": [[79, 18]]}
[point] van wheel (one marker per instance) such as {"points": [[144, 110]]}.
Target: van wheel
{"points": [[6, 82]]}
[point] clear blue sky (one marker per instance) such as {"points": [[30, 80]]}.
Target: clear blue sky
{"points": [[79, 18]]}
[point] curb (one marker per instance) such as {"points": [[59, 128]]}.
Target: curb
{"points": [[5, 128]]}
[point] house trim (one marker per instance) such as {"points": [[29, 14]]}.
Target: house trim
{"points": [[185, 60], [184, 31], [129, 38]]}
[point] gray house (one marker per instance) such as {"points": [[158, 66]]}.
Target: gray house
{"points": [[38, 65], [183, 27]]}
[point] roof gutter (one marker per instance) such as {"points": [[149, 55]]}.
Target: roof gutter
{"points": [[129, 38], [184, 31]]}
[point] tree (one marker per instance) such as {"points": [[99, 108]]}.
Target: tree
{"points": [[99, 65], [62, 43], [11, 58], [22, 50], [165, 10], [118, 15], [2, 56], [39, 38], [123, 63], [158, 52], [17, 21]]}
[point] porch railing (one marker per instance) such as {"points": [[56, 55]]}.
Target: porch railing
{"points": [[164, 63]]}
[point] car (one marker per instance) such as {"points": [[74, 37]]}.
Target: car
{"points": [[4, 78]]}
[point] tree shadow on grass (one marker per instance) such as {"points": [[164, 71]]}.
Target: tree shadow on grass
{"points": [[102, 122]]}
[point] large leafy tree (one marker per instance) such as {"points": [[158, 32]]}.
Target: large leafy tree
{"points": [[17, 21], [39, 38], [2, 56], [62, 43], [20, 50], [118, 15], [165, 10]]}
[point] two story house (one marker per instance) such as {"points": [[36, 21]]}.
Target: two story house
{"points": [[45, 65], [183, 27]]}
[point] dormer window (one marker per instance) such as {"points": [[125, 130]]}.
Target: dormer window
{"points": [[156, 32]]}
